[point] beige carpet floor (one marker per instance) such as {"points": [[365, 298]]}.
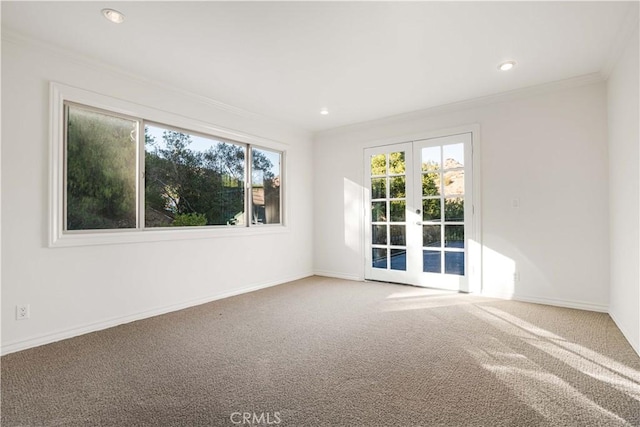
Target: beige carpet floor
{"points": [[329, 352]]}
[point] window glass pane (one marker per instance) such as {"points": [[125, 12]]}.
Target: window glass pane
{"points": [[191, 180], [399, 259], [101, 184], [379, 234], [379, 165], [397, 187], [454, 182], [378, 211], [265, 186], [453, 156], [431, 261], [431, 210], [454, 236], [398, 235], [379, 258], [397, 163], [454, 263], [454, 209], [398, 210], [430, 158], [431, 235], [379, 188], [431, 184]]}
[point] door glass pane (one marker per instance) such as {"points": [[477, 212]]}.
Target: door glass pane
{"points": [[397, 187], [398, 235], [431, 184], [379, 258], [379, 165], [399, 259], [454, 236], [453, 156], [430, 158], [454, 182], [431, 261], [454, 209], [379, 234], [100, 170], [431, 235], [397, 163], [379, 188], [398, 210], [379, 211], [454, 263], [431, 210]]}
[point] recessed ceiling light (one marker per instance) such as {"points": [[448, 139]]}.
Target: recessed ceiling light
{"points": [[324, 111], [113, 16], [506, 65]]}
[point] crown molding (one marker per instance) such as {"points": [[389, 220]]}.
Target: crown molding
{"points": [[511, 95], [23, 41], [627, 29]]}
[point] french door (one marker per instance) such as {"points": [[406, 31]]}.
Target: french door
{"points": [[419, 212]]}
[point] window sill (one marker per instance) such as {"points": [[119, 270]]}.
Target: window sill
{"points": [[161, 235]]}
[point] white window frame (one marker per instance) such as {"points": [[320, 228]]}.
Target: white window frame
{"points": [[58, 237]]}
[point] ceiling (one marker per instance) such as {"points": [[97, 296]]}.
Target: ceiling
{"points": [[360, 60]]}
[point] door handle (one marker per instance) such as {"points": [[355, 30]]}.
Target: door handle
{"points": [[418, 222]]}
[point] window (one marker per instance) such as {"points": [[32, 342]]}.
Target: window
{"points": [[116, 172], [265, 186], [101, 161], [192, 180]]}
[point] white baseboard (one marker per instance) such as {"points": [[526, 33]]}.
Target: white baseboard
{"points": [[580, 305], [19, 345], [335, 275], [633, 341]]}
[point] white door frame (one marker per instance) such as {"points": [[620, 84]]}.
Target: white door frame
{"points": [[390, 275], [475, 238]]}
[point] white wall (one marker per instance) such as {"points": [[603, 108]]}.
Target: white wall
{"points": [[624, 157], [548, 148], [74, 290]]}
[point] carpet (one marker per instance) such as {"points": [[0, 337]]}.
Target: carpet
{"points": [[330, 352]]}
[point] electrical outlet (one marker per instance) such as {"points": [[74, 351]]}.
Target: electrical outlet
{"points": [[516, 276], [22, 312]]}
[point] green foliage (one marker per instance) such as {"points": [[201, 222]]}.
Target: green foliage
{"points": [[431, 209], [378, 188], [379, 211], [101, 171], [181, 181], [398, 210], [397, 187], [378, 165], [454, 209], [397, 164], [430, 184], [183, 186], [189, 219]]}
